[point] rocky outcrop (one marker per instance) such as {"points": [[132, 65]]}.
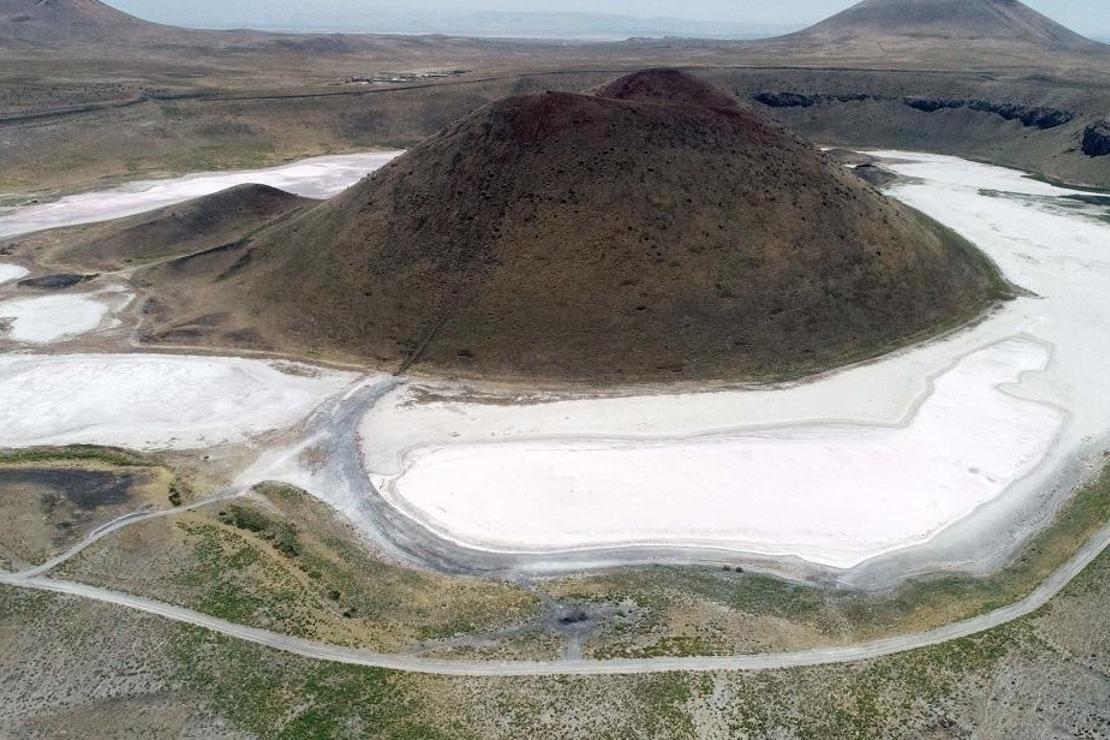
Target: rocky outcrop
{"points": [[802, 100], [785, 99], [1031, 116], [878, 176], [1096, 139], [1041, 117]]}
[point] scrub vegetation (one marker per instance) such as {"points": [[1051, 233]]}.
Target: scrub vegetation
{"points": [[281, 560], [1041, 674]]}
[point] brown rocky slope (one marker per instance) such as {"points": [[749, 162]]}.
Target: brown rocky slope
{"points": [[202, 223], [46, 21], [557, 236]]}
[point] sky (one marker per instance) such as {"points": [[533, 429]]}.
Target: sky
{"points": [[1089, 17]]}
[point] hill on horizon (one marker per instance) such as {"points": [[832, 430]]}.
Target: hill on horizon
{"points": [[86, 21], [638, 237], [60, 26], [936, 34], [930, 29]]}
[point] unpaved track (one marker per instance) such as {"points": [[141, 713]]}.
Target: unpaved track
{"points": [[815, 657], [119, 523]]}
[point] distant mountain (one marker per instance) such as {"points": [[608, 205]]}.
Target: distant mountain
{"points": [[91, 27], [496, 24], [47, 21], [940, 21], [938, 34]]}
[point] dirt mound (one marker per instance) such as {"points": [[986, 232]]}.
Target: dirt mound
{"points": [[574, 237], [666, 86]]}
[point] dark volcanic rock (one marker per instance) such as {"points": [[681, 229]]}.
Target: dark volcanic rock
{"points": [[1096, 139], [785, 99], [1041, 117], [801, 100], [877, 176], [55, 282], [1031, 116]]}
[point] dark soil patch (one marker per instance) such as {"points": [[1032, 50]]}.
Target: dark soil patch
{"points": [[55, 282], [85, 489]]}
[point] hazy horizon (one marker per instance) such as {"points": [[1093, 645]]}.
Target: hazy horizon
{"points": [[735, 18]]}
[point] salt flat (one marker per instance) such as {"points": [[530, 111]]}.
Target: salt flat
{"points": [[318, 177], [9, 272], [873, 460], [836, 493], [152, 401], [44, 319], [853, 465]]}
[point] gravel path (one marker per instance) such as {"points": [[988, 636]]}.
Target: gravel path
{"points": [[819, 656]]}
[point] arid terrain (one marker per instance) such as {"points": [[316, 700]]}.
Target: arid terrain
{"points": [[164, 101], [272, 560], [424, 386]]}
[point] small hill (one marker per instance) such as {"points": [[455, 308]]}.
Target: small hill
{"points": [[559, 236], [666, 86], [204, 223]]}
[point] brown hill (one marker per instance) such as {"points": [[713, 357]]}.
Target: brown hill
{"points": [[204, 223], [48, 21], [576, 237]]}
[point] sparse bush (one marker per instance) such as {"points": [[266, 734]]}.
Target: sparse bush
{"points": [[282, 535]]}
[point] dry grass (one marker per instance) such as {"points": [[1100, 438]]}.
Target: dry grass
{"points": [[283, 561], [51, 500]]}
